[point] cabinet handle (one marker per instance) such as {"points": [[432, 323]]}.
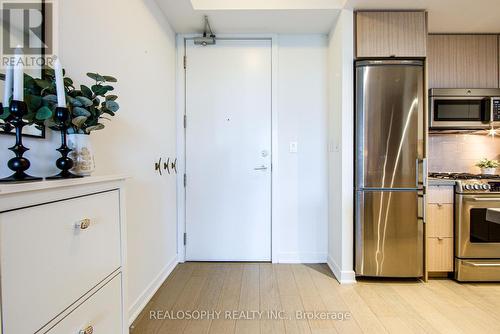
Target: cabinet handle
{"points": [[83, 224], [440, 205], [440, 238], [87, 330]]}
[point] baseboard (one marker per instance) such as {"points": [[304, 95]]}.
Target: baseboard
{"points": [[343, 276], [141, 302], [294, 257]]}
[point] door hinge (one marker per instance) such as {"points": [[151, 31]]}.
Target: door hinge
{"points": [[185, 62], [185, 121], [185, 238], [185, 180]]}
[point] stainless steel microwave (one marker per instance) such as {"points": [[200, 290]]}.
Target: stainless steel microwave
{"points": [[464, 109]]}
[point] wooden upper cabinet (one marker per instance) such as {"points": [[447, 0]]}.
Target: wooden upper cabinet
{"points": [[391, 34], [463, 61]]}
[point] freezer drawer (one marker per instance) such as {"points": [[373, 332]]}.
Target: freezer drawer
{"points": [[389, 234], [477, 270]]}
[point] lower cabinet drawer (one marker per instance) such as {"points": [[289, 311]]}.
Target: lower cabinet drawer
{"points": [[440, 254], [53, 254], [101, 313]]}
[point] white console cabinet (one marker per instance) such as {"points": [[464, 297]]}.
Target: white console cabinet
{"points": [[62, 257]]}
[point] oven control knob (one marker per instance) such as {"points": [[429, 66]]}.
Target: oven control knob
{"points": [[477, 187], [486, 187], [468, 187]]}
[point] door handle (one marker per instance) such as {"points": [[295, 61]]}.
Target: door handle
{"points": [[473, 264], [261, 168]]}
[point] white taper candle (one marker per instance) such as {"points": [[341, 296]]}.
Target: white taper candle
{"points": [[18, 75], [61, 93], [7, 91]]}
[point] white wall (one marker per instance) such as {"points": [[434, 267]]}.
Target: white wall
{"points": [[132, 41], [302, 205], [341, 148]]}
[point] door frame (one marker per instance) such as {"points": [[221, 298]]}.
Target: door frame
{"points": [[181, 136]]}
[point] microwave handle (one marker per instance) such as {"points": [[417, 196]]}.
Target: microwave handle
{"points": [[487, 109]]}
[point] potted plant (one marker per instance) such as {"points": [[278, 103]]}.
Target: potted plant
{"points": [[488, 167], [89, 107]]}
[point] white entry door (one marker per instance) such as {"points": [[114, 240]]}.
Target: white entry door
{"points": [[228, 151]]}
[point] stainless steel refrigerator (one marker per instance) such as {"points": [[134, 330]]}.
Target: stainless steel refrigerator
{"points": [[390, 168]]}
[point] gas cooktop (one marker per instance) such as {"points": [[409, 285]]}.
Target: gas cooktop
{"points": [[463, 176]]}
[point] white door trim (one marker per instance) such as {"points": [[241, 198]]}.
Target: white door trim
{"points": [[181, 139]]}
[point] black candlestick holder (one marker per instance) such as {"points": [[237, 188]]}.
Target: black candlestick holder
{"points": [[64, 163], [19, 164]]}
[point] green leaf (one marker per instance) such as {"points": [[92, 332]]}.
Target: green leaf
{"points": [[77, 111], [99, 126], [50, 98], [68, 82], [109, 112], [112, 106], [33, 102], [85, 101], [96, 77], [5, 113], [74, 102], [44, 84], [79, 121], [110, 78], [86, 91], [111, 98], [99, 89], [43, 113], [109, 88]]}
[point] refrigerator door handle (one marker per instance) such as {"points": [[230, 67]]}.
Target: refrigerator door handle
{"points": [[417, 173], [424, 171]]}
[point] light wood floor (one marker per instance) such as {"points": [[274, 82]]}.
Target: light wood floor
{"points": [[440, 306]]}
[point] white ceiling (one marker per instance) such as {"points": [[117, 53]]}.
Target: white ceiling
{"points": [[318, 16]]}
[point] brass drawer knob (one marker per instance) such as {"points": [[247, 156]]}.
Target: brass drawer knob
{"points": [[88, 330], [83, 224]]}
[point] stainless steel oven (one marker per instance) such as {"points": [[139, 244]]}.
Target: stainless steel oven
{"points": [[477, 230], [464, 109]]}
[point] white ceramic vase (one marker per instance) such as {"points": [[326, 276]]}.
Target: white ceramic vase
{"points": [[82, 154], [488, 171]]}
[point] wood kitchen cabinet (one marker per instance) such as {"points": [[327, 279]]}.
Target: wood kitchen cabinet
{"points": [[463, 61], [439, 229], [391, 34]]}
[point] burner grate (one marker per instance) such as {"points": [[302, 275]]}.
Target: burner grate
{"points": [[463, 176]]}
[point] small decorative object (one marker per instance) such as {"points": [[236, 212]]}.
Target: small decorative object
{"points": [[19, 164], [17, 111], [81, 154], [61, 117], [64, 163], [488, 167]]}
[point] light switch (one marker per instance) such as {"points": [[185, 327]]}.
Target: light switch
{"points": [[293, 147]]}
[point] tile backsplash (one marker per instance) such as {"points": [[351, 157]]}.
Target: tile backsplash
{"points": [[458, 153]]}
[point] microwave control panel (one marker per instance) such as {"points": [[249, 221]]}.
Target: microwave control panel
{"points": [[496, 109]]}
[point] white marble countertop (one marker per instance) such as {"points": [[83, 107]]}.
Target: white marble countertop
{"points": [[6, 188]]}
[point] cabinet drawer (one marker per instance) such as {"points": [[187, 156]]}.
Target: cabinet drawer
{"points": [[101, 313], [440, 220], [440, 254], [48, 261], [440, 195]]}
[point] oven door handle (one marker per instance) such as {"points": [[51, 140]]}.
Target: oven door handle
{"points": [[472, 264], [490, 199]]}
